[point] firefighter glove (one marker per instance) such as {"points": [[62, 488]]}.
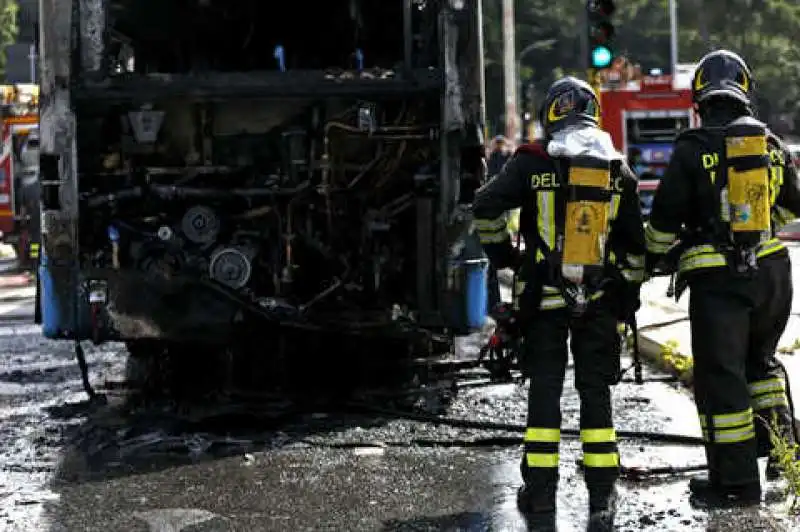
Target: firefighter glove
{"points": [[629, 301]]}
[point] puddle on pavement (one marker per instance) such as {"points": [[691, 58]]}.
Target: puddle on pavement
{"points": [[120, 446], [113, 447], [23, 500]]}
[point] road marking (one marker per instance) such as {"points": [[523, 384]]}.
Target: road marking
{"points": [[17, 302], [174, 519], [14, 308], [17, 292], [18, 329]]}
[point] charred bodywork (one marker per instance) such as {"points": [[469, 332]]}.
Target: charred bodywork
{"points": [[211, 166]]}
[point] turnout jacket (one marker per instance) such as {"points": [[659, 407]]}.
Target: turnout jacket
{"points": [[686, 207], [530, 181]]}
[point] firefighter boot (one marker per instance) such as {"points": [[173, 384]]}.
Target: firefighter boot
{"points": [[775, 469], [706, 491], [538, 507], [602, 509]]}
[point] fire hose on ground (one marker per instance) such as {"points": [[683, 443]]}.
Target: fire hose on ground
{"points": [[656, 437], [627, 472]]}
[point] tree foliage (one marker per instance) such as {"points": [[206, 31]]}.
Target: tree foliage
{"points": [[763, 31], [8, 27]]}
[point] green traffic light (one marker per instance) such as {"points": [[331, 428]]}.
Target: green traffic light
{"points": [[601, 57]]}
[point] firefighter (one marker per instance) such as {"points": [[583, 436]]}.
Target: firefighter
{"points": [[728, 186], [580, 275], [31, 215]]}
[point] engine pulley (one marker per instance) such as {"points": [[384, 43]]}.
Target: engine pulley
{"points": [[159, 261], [200, 225], [231, 267]]}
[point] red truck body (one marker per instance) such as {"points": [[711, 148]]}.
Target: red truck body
{"points": [[19, 117], [644, 116]]}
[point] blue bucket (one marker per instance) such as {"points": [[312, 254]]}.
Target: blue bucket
{"points": [[476, 272], [50, 304], [57, 304]]}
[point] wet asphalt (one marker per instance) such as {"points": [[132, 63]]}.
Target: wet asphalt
{"points": [[71, 466]]}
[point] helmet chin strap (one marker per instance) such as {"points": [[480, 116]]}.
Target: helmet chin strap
{"points": [[716, 106]]}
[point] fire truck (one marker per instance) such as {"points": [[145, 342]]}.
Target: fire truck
{"points": [[643, 115], [19, 163]]}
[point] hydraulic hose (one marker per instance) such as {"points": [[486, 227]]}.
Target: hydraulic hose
{"points": [[653, 326], [656, 437]]}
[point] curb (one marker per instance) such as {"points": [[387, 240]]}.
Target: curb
{"points": [[667, 358]]}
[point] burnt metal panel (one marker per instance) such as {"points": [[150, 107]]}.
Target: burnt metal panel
{"points": [[452, 114], [92, 36], [57, 133], [57, 121], [28, 21], [301, 83], [425, 265], [471, 63], [20, 66]]}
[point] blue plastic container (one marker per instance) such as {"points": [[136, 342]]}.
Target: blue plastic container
{"points": [[50, 304], [58, 308], [476, 274]]}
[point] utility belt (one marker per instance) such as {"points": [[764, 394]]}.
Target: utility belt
{"points": [[740, 260], [688, 258], [543, 287]]}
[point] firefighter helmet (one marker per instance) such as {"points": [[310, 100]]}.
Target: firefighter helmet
{"points": [[569, 101], [723, 74]]}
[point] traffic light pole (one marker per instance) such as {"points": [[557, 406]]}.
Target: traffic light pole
{"points": [[673, 34], [510, 72], [585, 42], [594, 80], [597, 39]]}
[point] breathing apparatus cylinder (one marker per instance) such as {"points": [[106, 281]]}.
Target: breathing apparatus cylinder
{"points": [[587, 217], [748, 195]]}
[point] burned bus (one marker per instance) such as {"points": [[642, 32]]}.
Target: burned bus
{"points": [[218, 174]]}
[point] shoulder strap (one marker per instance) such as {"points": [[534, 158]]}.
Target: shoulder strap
{"points": [[708, 192], [534, 148]]}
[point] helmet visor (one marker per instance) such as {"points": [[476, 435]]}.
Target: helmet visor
{"points": [[571, 103]]}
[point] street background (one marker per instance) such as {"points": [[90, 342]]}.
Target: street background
{"points": [[71, 467]]}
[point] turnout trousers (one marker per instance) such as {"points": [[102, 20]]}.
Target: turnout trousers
{"points": [[595, 346], [736, 323]]}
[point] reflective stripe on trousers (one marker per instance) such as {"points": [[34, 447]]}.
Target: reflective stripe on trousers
{"points": [[600, 448], [732, 427], [541, 447], [769, 393]]}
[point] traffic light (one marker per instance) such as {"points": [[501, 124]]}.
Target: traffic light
{"points": [[601, 32]]}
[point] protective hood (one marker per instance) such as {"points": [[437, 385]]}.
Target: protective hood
{"points": [[722, 112], [582, 140], [30, 178]]}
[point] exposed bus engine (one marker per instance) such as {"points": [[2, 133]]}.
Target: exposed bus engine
{"points": [[215, 171]]}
